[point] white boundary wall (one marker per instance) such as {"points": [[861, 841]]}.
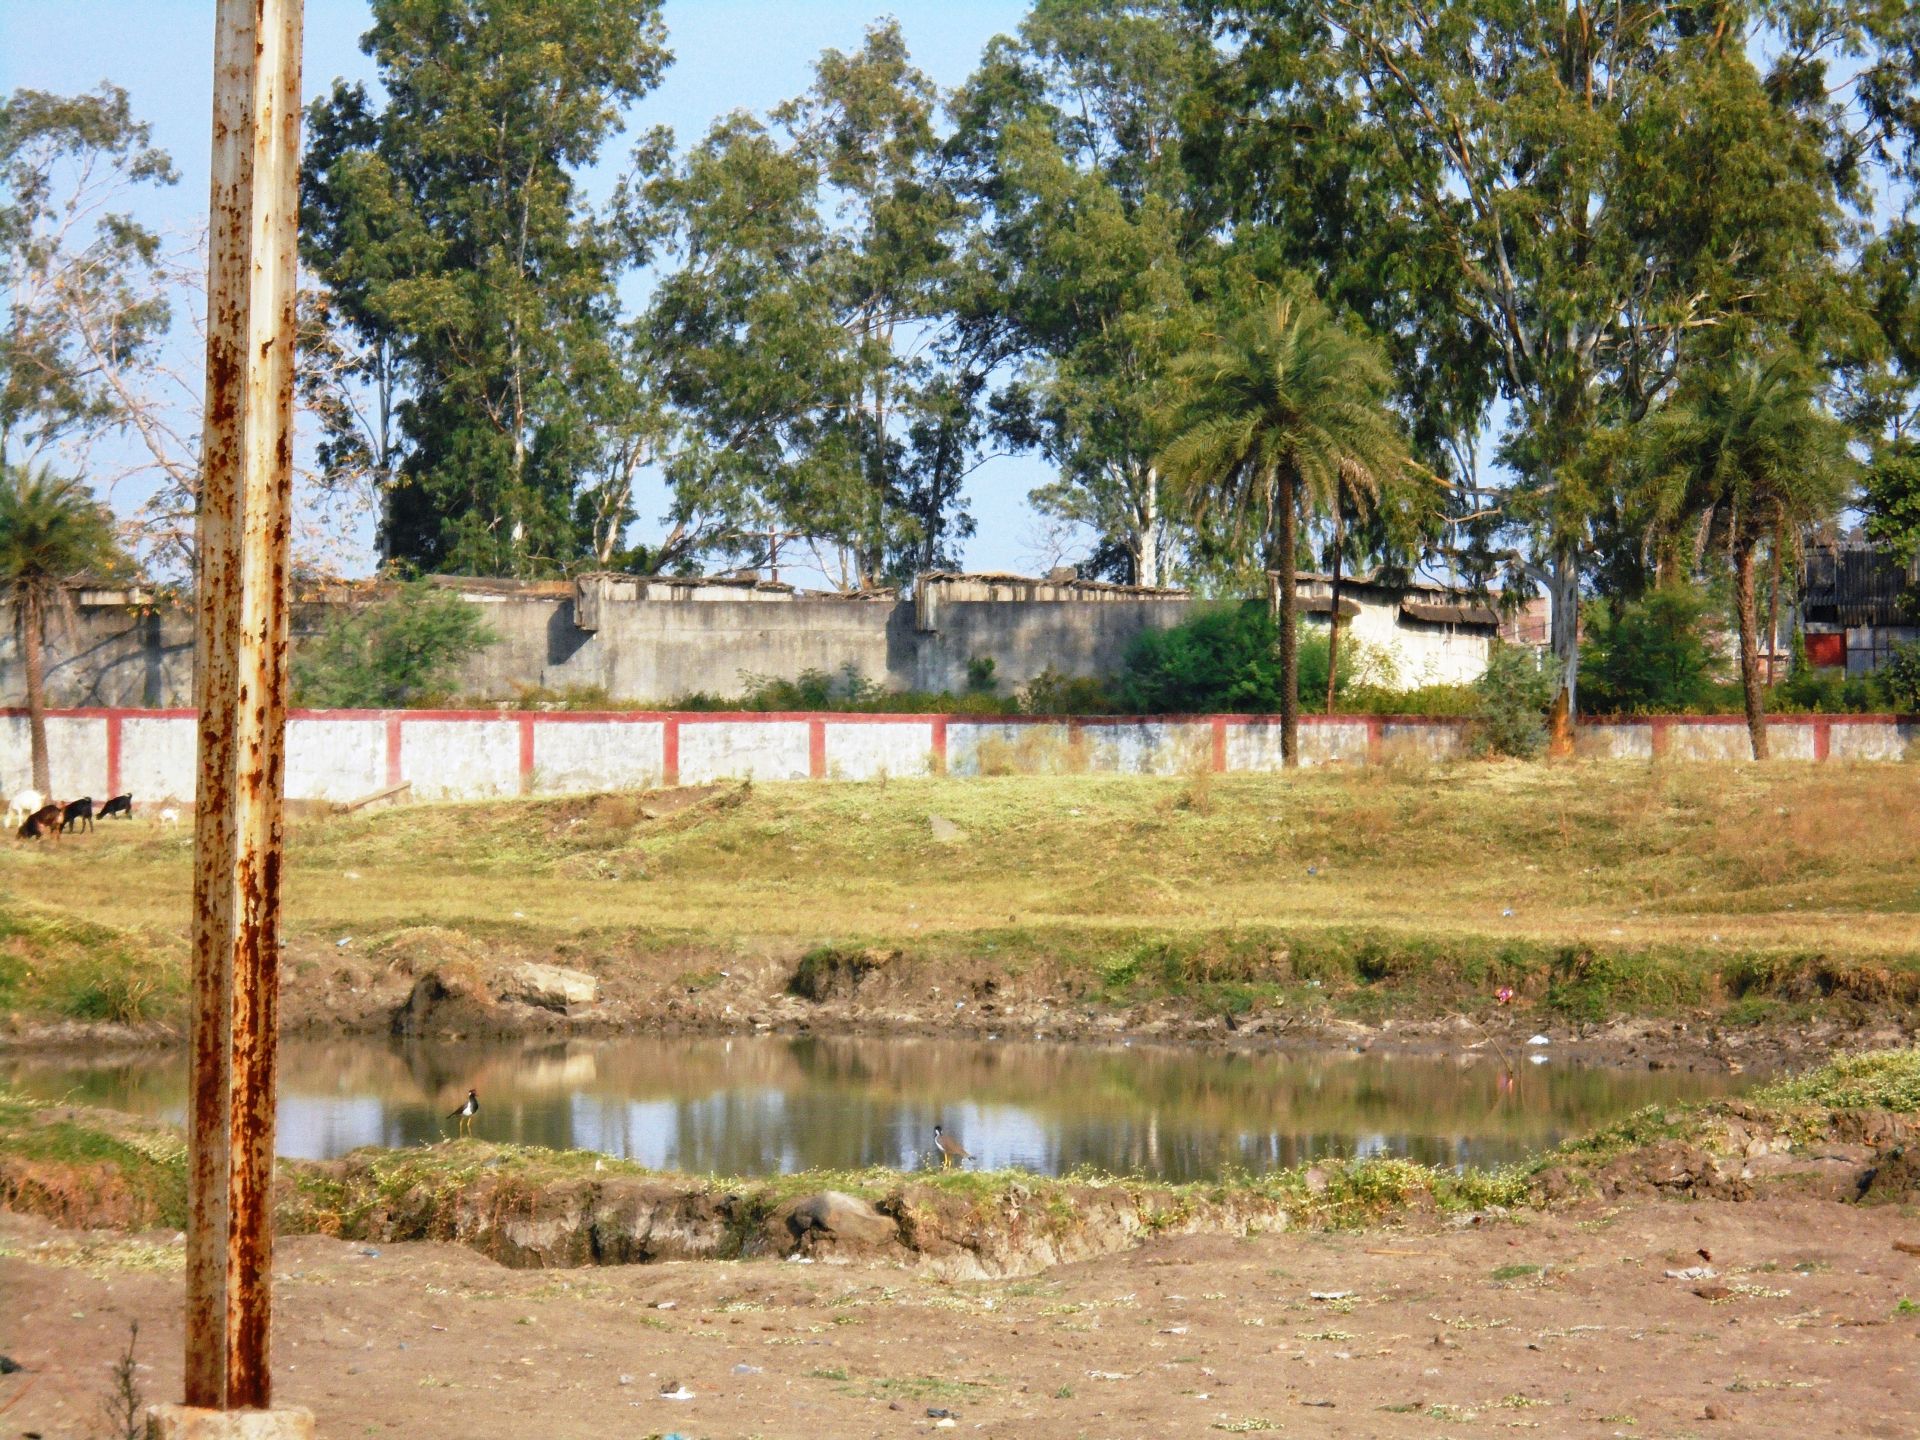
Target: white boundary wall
{"points": [[467, 755]]}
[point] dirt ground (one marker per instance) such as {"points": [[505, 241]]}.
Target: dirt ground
{"points": [[1560, 1324]]}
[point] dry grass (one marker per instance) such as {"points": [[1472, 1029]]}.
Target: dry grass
{"points": [[1690, 861]]}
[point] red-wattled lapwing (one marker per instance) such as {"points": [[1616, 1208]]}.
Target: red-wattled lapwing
{"points": [[467, 1111], [950, 1148]]}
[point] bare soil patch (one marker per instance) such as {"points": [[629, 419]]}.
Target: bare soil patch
{"points": [[1560, 1324]]}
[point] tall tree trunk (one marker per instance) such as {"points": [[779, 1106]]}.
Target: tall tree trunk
{"points": [[1146, 570], [1747, 611], [1333, 617], [32, 612], [1564, 596], [1289, 540], [1773, 608]]}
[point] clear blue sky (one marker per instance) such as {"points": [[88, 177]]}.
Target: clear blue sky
{"points": [[729, 54]]}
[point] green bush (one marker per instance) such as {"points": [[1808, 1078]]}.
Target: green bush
{"points": [[399, 651], [1051, 693], [1823, 690], [1514, 695], [1226, 660], [1652, 655], [847, 692], [1900, 677]]}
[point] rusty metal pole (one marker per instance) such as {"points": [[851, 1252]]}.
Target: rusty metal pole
{"points": [[240, 688]]}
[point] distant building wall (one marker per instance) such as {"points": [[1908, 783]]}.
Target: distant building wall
{"points": [[468, 755]]}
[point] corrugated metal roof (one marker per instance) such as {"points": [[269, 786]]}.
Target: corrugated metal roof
{"points": [[1857, 585], [1458, 614]]}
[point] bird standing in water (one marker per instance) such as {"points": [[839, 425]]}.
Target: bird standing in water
{"points": [[950, 1148], [467, 1111]]}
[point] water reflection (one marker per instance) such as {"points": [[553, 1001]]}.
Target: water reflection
{"points": [[756, 1106]]}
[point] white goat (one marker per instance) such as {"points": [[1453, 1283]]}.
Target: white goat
{"points": [[23, 804]]}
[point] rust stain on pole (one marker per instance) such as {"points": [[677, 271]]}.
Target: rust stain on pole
{"points": [[240, 687]]}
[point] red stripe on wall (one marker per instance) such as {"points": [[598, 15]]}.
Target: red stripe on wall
{"points": [[817, 749], [393, 750], [670, 751], [526, 754], [1376, 739], [940, 745], [1822, 737], [1219, 727], [113, 754]]}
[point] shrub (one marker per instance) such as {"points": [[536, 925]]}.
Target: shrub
{"points": [[1649, 655], [399, 651], [1051, 693], [1900, 677], [1226, 659], [1825, 691], [1514, 695]]}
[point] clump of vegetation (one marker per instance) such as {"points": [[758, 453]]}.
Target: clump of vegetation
{"points": [[1514, 694], [1872, 1079], [1900, 677], [848, 691], [1650, 655], [57, 963], [1226, 660], [402, 650]]}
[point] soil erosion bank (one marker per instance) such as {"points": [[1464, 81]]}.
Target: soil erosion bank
{"points": [[1666, 913], [1749, 1261]]}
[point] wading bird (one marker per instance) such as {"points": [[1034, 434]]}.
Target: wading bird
{"points": [[950, 1148], [467, 1111]]}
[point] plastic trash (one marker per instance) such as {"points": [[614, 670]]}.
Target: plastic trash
{"points": [[1540, 1040]]}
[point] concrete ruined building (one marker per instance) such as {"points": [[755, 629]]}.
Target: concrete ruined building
{"points": [[651, 640]]}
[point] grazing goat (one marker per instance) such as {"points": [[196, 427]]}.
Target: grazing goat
{"points": [[118, 805], [44, 821], [22, 805], [169, 816], [76, 813]]}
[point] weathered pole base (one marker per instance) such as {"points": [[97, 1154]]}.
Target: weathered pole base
{"points": [[188, 1422]]}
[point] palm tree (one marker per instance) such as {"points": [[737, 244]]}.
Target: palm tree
{"points": [[1745, 456], [51, 530], [1282, 410]]}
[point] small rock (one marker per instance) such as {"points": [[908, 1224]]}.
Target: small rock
{"points": [[944, 830], [1540, 1040], [8, 1365], [552, 987], [745, 1369], [626, 1379], [1713, 1292], [1716, 1412], [1693, 1272]]}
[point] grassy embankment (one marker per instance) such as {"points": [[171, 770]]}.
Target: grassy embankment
{"points": [[1595, 889], [96, 1169]]}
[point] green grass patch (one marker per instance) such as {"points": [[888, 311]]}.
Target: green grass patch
{"points": [[55, 963], [1872, 1079]]}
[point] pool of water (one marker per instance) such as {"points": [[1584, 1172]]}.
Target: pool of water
{"points": [[763, 1105]]}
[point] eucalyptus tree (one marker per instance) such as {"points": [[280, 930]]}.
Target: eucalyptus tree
{"points": [[445, 222], [1744, 457], [1280, 411], [85, 302], [1578, 194], [1091, 256], [794, 335]]}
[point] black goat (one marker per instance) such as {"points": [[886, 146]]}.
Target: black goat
{"points": [[118, 805], [77, 812]]}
